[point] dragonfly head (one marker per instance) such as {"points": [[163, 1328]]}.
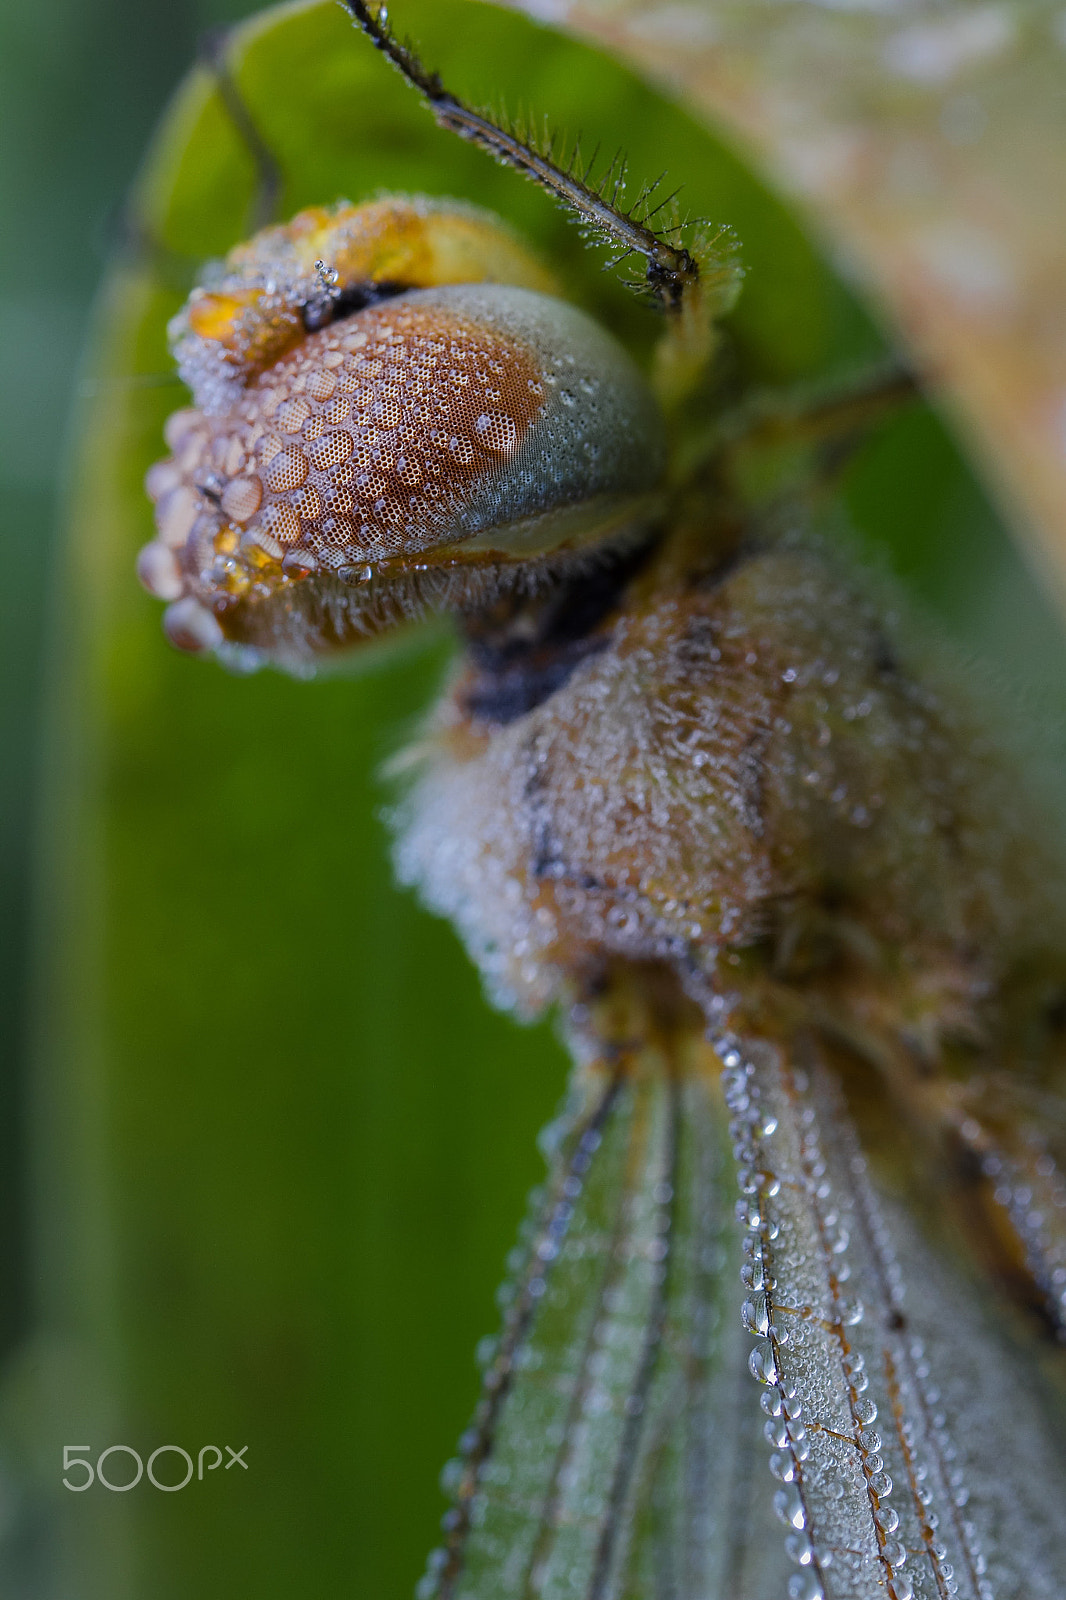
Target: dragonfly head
{"points": [[392, 412]]}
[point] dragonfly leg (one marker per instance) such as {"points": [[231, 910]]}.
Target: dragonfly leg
{"points": [[692, 283]]}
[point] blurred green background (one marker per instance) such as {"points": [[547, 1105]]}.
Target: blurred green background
{"points": [[264, 1145]]}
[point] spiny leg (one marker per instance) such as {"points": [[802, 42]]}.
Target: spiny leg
{"points": [[692, 284]]}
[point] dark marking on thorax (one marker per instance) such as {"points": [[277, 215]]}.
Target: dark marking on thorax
{"points": [[525, 648]]}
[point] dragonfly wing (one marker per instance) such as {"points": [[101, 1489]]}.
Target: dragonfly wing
{"points": [[916, 1450], [617, 1449]]}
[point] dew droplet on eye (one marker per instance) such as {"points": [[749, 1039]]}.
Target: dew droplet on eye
{"points": [[158, 570], [308, 502], [331, 450], [257, 543], [805, 1585], [338, 499], [336, 411], [175, 515], [497, 431], [242, 498], [287, 470], [461, 451], [180, 426], [191, 627], [298, 564], [387, 411], [282, 522], [161, 478], [292, 414], [321, 384]]}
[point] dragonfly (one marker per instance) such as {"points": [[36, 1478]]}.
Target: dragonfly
{"points": [[787, 1317]]}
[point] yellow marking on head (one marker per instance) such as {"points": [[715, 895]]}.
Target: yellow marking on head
{"points": [[256, 313]]}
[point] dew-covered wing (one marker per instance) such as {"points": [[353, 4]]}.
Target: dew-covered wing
{"points": [[617, 1450], [917, 1451]]}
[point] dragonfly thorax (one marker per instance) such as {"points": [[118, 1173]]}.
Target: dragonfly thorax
{"points": [[734, 765]]}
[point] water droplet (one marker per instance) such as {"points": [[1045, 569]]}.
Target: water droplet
{"points": [[299, 564], [776, 1432], [761, 1363], [241, 498], [191, 627], [158, 570], [754, 1314], [287, 470], [292, 414], [805, 1586], [175, 514], [789, 1507], [485, 1353], [799, 1549], [161, 477], [497, 432]]}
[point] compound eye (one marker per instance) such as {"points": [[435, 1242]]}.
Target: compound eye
{"points": [[465, 425]]}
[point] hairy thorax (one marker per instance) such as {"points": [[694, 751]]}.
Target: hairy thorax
{"points": [[732, 771]]}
